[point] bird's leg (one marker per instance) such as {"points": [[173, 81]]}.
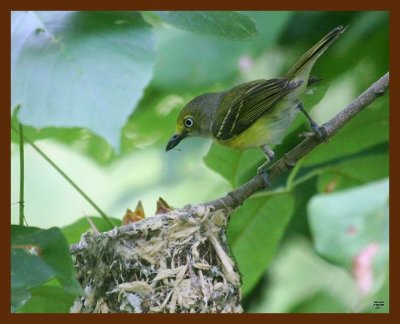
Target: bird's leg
{"points": [[262, 170], [319, 131]]}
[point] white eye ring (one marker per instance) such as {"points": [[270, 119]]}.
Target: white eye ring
{"points": [[188, 122]]}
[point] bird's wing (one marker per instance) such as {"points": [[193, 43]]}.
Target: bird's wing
{"points": [[244, 104]]}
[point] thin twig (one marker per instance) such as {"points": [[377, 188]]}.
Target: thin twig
{"points": [[21, 175], [235, 198]]}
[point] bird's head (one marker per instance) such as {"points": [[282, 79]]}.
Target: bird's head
{"points": [[196, 118]]}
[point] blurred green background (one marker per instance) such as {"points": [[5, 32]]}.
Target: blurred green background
{"points": [[102, 100]]}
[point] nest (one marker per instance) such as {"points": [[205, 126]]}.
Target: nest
{"points": [[178, 262]]}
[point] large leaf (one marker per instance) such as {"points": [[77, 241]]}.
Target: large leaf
{"points": [[351, 228], [346, 222], [354, 172], [19, 297], [80, 69], [232, 164], [255, 231], [38, 255], [225, 24], [48, 299], [27, 271]]}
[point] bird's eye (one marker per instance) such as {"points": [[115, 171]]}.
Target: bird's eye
{"points": [[188, 122]]}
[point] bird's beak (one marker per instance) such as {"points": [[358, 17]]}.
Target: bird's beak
{"points": [[174, 141]]}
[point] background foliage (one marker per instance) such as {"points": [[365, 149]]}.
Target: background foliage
{"points": [[99, 92]]}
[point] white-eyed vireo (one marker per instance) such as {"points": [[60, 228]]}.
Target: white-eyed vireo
{"points": [[252, 114]]}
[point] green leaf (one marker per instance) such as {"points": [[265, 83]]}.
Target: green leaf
{"points": [[302, 193], [224, 24], [354, 172], [74, 231], [223, 161], [47, 299], [19, 296], [255, 231], [28, 269], [52, 250], [233, 165], [346, 222], [351, 229], [80, 69]]}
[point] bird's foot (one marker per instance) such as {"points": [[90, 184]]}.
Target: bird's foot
{"points": [[263, 171], [319, 132]]}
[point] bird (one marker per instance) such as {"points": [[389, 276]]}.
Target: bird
{"points": [[253, 114]]}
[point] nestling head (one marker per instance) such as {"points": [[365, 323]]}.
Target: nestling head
{"points": [[195, 119]]}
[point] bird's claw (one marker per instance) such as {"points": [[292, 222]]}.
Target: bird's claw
{"points": [[262, 170], [319, 132]]}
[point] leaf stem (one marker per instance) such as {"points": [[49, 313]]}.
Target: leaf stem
{"points": [[308, 176], [292, 175], [66, 177], [21, 175]]}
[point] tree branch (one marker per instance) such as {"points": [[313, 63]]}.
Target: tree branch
{"points": [[235, 198]]}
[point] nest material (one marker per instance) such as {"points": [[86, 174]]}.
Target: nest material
{"points": [[172, 263]]}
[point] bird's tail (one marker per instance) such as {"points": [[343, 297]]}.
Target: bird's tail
{"points": [[303, 66]]}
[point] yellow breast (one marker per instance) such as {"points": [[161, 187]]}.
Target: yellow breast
{"points": [[268, 129], [255, 136]]}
